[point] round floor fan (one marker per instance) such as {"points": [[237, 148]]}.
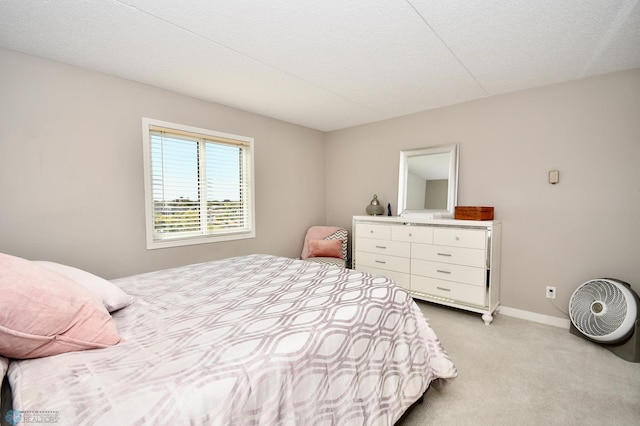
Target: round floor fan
{"points": [[607, 311]]}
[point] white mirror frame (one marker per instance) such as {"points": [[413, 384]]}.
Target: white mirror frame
{"points": [[452, 191]]}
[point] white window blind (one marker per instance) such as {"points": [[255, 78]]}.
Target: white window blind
{"points": [[199, 186]]}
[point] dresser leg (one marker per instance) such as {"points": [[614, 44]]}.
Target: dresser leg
{"points": [[487, 318]]}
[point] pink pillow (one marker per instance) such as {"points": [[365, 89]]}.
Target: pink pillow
{"points": [[325, 248], [45, 313], [319, 233]]}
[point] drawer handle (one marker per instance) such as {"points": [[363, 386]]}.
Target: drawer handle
{"points": [[381, 261], [443, 289], [381, 247], [444, 254], [443, 272]]}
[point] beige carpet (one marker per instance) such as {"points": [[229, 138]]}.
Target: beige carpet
{"points": [[517, 372]]}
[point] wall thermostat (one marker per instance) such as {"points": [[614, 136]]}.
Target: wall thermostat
{"points": [[554, 176]]}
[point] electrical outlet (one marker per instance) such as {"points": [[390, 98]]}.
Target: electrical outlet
{"points": [[551, 292]]}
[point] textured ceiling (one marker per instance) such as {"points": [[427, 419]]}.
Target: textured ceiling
{"points": [[334, 63]]}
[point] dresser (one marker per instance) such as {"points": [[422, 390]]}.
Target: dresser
{"points": [[446, 261]]}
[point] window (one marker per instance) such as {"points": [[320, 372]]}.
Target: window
{"points": [[199, 185]]}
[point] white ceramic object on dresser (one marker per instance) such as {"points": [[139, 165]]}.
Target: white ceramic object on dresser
{"points": [[446, 261]]}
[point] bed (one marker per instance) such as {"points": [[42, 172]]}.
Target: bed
{"points": [[250, 340]]}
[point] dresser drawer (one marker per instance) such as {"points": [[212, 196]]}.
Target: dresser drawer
{"points": [[449, 290], [448, 254], [401, 278], [382, 261], [457, 237], [367, 230], [446, 271], [391, 248], [420, 234]]}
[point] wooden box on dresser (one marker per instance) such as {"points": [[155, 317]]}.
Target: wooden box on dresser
{"points": [[446, 261]]}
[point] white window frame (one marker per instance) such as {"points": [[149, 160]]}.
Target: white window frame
{"points": [[149, 125]]}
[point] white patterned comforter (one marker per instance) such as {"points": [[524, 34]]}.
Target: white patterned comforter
{"points": [[244, 341]]}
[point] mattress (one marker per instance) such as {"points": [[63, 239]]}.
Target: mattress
{"points": [[251, 340]]}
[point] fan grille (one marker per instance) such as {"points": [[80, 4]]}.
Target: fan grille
{"points": [[598, 308]]}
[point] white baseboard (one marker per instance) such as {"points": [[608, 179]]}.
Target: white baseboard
{"points": [[532, 316]]}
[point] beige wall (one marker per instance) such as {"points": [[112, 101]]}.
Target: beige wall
{"points": [[71, 179], [585, 227]]}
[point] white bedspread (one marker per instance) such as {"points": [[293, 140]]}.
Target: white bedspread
{"points": [[245, 341]]}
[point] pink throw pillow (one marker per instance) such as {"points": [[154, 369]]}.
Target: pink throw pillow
{"points": [[45, 313], [325, 248]]}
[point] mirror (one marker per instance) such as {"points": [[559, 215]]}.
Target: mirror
{"points": [[428, 182]]}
